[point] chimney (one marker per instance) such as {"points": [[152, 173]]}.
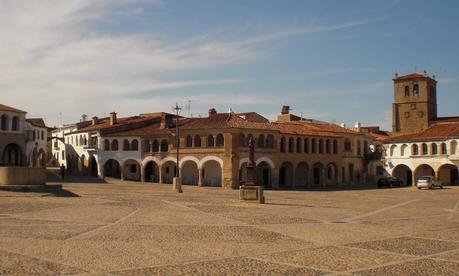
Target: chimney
{"points": [[113, 118], [95, 120], [285, 110], [357, 125], [343, 125], [84, 117], [212, 112]]}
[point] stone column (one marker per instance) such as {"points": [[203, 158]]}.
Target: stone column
{"points": [[122, 171], [413, 183], [293, 177], [275, 178], [200, 176], [160, 176], [150, 143], [142, 173]]}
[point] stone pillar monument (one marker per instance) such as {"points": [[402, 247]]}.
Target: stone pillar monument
{"points": [[251, 191]]}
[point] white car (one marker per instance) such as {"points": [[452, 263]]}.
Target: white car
{"points": [[428, 182]]}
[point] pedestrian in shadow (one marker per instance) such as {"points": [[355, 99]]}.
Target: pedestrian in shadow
{"points": [[62, 171]]}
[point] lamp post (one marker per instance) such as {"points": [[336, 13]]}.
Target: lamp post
{"points": [[177, 184]]}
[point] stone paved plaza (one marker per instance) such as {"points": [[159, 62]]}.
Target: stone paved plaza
{"points": [[138, 229]]}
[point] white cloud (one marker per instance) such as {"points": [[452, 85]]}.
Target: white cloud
{"points": [[53, 61]]}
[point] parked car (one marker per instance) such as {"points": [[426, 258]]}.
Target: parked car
{"points": [[389, 182], [428, 182]]}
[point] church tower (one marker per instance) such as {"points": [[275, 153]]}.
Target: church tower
{"points": [[415, 102]]}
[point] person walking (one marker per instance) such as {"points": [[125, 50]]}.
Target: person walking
{"points": [[62, 171]]}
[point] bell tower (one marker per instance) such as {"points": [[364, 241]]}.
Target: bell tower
{"points": [[415, 102]]}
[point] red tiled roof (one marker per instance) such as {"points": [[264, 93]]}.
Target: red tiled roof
{"points": [[38, 122], [10, 109], [438, 131], [378, 136], [445, 119], [103, 124], [416, 75]]}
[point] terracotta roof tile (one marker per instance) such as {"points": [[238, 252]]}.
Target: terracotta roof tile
{"points": [[38, 122], [416, 75], [10, 109], [438, 131]]}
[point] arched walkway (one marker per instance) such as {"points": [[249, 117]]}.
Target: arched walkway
{"points": [[317, 174], [189, 173], [112, 168], [93, 167], [152, 172], [448, 174], [403, 173], [286, 175], [264, 174], [131, 170], [12, 155], [423, 170], [302, 175], [212, 173], [168, 172], [332, 174]]}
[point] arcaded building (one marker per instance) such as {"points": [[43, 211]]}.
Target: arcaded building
{"points": [[422, 144], [290, 153]]}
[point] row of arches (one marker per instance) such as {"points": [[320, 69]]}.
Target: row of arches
{"points": [[195, 142], [127, 145], [5, 123], [78, 140], [447, 173], [261, 142], [306, 145], [12, 156], [424, 149]]}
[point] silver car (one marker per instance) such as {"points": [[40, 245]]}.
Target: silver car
{"points": [[428, 182]]}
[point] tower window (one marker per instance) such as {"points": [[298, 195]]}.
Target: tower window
{"points": [[407, 114], [407, 91], [416, 90], [420, 114], [413, 106]]}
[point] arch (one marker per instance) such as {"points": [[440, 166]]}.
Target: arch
{"points": [[189, 172], [291, 145], [210, 158], [444, 148], [404, 173], [328, 146], [4, 122], [306, 145], [151, 158], [112, 168], [93, 166], [261, 141], [335, 147], [151, 171], [416, 90], [423, 170], [448, 174], [424, 149], [313, 145], [317, 174], [212, 173], [135, 145], [197, 141], [282, 144], [453, 147], [270, 141], [220, 141], [286, 175], [250, 136], [168, 159], [155, 146], [15, 123], [114, 145], [168, 170], [299, 145], [434, 148], [188, 141], [403, 149], [188, 158], [241, 140], [210, 141], [126, 145], [131, 170], [321, 146], [164, 146], [332, 174], [302, 175], [263, 172], [12, 155], [414, 149], [265, 159]]}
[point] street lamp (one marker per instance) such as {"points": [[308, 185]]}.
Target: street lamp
{"points": [[177, 183]]}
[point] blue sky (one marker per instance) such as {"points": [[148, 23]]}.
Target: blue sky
{"points": [[328, 60]]}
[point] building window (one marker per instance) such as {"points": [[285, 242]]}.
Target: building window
{"points": [[298, 145], [15, 124], [444, 150], [414, 149], [407, 91], [270, 141], [424, 149], [434, 149], [282, 144], [188, 141], [321, 146], [114, 145], [359, 148], [407, 114], [135, 145], [328, 147], [306, 145], [314, 145], [4, 122], [413, 106], [164, 146], [197, 141], [290, 145], [220, 142], [126, 145], [416, 90], [106, 145], [335, 147], [155, 146], [347, 145], [241, 140], [210, 141], [261, 141]]}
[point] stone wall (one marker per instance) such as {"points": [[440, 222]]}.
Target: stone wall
{"points": [[22, 176]]}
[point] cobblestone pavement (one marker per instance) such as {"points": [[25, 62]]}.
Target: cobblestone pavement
{"points": [[133, 229]]}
